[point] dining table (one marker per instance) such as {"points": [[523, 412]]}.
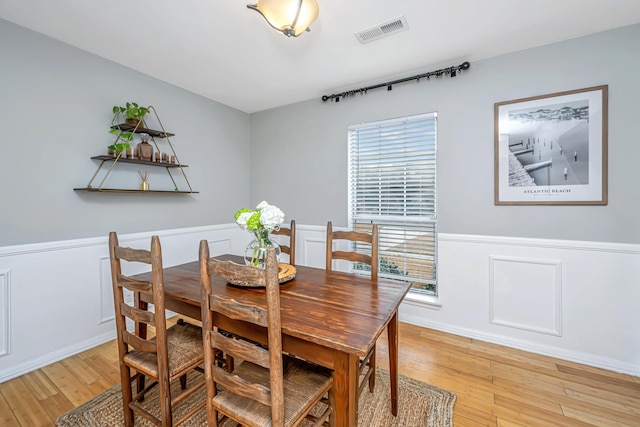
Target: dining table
{"points": [[328, 318]]}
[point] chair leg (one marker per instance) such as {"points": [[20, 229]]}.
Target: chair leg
{"points": [[212, 414], [127, 394], [165, 402], [372, 366], [140, 385], [183, 382]]}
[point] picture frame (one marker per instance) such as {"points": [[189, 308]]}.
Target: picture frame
{"points": [[552, 149]]}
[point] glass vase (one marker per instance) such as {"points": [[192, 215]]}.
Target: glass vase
{"points": [[256, 251]]}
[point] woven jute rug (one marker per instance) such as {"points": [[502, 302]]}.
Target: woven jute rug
{"points": [[420, 405]]}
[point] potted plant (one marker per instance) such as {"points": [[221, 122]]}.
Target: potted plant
{"points": [[122, 141], [132, 112], [118, 147]]}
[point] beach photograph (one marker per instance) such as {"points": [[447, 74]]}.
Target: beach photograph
{"points": [[549, 145], [552, 149]]}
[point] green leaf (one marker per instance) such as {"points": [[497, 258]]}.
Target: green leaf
{"points": [[120, 147]]}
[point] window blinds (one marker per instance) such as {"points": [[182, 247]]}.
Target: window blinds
{"points": [[392, 183]]}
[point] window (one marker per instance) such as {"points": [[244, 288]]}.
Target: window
{"points": [[392, 183]]}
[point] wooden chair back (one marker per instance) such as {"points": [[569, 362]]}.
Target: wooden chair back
{"points": [[291, 248], [267, 317], [141, 317], [253, 394], [148, 356], [367, 366], [354, 236]]}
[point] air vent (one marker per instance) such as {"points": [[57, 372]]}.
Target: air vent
{"points": [[382, 30]]}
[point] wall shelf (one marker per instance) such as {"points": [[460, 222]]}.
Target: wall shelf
{"points": [[121, 190], [125, 127], [141, 127], [138, 162]]}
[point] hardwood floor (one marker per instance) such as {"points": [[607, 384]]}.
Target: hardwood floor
{"points": [[495, 386]]}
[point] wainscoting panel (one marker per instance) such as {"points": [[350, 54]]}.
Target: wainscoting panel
{"points": [[311, 239], [219, 246], [5, 314], [314, 243], [573, 300], [314, 252], [526, 293], [72, 289], [107, 312]]}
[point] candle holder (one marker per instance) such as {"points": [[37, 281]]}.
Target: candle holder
{"points": [[144, 175]]}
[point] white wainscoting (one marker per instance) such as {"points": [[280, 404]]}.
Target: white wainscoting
{"points": [[573, 300], [57, 300]]}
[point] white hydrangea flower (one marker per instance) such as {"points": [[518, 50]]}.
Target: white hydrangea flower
{"points": [[265, 217], [243, 218], [271, 216]]}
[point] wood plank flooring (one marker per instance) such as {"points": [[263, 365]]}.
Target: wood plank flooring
{"points": [[495, 385]]}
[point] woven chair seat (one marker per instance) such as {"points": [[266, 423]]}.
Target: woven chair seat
{"points": [[303, 383], [184, 342]]}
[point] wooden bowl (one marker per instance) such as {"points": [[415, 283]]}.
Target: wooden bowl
{"points": [[286, 272]]}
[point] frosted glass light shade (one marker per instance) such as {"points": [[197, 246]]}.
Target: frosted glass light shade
{"points": [[290, 17]]}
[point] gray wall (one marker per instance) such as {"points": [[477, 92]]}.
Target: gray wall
{"points": [[55, 110], [299, 157]]}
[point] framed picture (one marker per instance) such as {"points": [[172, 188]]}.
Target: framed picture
{"points": [[552, 149]]}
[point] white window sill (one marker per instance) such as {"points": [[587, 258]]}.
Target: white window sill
{"points": [[420, 300]]}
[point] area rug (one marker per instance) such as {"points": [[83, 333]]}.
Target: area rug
{"points": [[420, 405]]}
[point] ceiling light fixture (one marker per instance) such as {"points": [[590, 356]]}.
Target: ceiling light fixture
{"points": [[290, 17]]}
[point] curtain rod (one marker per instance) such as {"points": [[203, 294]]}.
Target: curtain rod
{"points": [[452, 71]]}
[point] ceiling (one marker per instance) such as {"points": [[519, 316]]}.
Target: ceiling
{"points": [[226, 52]]}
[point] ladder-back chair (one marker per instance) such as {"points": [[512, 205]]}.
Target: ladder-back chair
{"points": [[268, 388], [290, 232], [368, 363], [168, 356]]}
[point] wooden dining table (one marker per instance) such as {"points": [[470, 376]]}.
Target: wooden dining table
{"points": [[329, 318]]}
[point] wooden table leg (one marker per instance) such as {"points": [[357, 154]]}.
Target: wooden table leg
{"points": [[345, 391], [141, 328], [141, 331], [392, 333]]}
